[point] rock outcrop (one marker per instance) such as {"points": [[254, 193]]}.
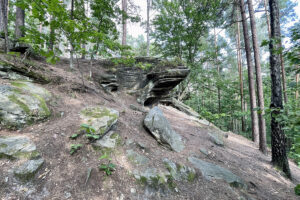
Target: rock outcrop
{"points": [[160, 128], [152, 79], [22, 103]]}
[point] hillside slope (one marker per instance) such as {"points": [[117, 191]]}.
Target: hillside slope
{"points": [[65, 176]]}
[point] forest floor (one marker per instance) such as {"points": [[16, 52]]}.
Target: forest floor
{"points": [[64, 176]]}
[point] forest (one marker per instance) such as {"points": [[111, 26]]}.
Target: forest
{"points": [[243, 56]]}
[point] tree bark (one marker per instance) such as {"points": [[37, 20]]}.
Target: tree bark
{"points": [[71, 41], [20, 23], [281, 57], [297, 91], [278, 139], [240, 69], [252, 94], [4, 9], [218, 70], [259, 83], [148, 27], [124, 22]]}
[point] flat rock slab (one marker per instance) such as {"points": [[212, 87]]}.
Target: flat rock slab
{"points": [[110, 140], [100, 118], [136, 157], [211, 171], [17, 147], [160, 128], [22, 103], [179, 171], [27, 170]]}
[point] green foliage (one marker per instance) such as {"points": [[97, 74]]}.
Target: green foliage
{"points": [[179, 25], [74, 136], [89, 132], [75, 148], [107, 166], [144, 66]]}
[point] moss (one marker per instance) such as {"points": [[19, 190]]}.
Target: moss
{"points": [[24, 107], [43, 104], [171, 183], [191, 176], [98, 113], [117, 137], [3, 145], [19, 84]]}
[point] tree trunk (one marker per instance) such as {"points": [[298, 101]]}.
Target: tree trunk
{"points": [[148, 27], [4, 9], [240, 69], [218, 70], [278, 139], [250, 75], [71, 41], [259, 83], [52, 35], [281, 57], [124, 22], [297, 90], [20, 23], [1, 21]]}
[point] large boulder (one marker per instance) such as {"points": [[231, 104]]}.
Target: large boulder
{"points": [[22, 103], [160, 128], [17, 147], [211, 171], [100, 118]]}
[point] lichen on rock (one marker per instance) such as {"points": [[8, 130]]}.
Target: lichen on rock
{"points": [[23, 103], [100, 118]]}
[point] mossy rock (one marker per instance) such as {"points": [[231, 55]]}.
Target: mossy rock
{"points": [[100, 118], [23, 103], [27, 170], [180, 172], [17, 147]]}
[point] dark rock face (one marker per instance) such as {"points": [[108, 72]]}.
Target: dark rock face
{"points": [[160, 83], [131, 78], [152, 79], [107, 81]]}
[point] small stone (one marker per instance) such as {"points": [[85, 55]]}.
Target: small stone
{"points": [[133, 190], [204, 151]]}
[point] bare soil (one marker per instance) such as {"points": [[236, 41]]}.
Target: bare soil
{"points": [[64, 176]]}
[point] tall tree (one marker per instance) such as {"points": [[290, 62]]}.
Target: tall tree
{"points": [[240, 69], [124, 22], [278, 138], [254, 118], [4, 19], [148, 26], [259, 83], [20, 22], [281, 56], [71, 41]]}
